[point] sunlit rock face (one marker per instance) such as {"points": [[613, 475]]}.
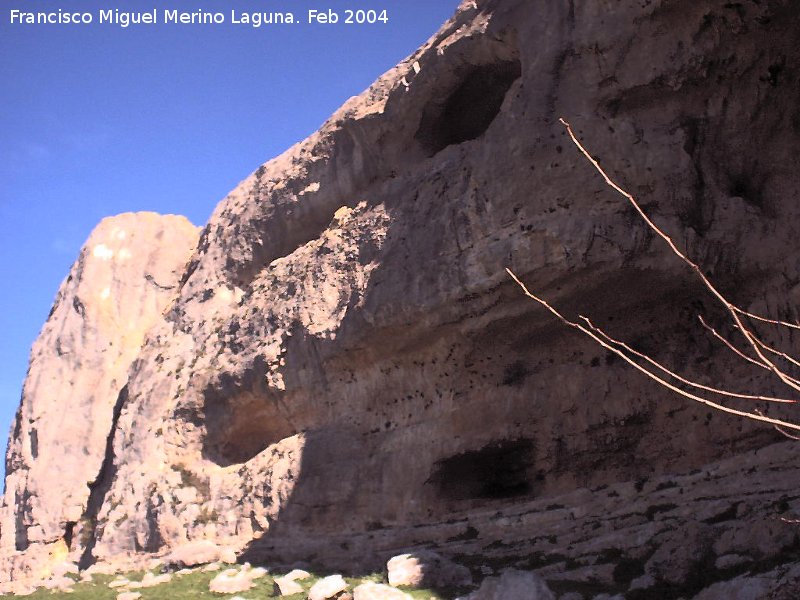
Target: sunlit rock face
{"points": [[346, 371], [125, 277]]}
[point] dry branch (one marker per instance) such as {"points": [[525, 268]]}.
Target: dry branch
{"points": [[674, 375], [734, 311], [737, 314]]}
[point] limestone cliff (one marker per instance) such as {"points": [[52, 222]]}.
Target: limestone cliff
{"points": [[346, 370], [124, 278]]}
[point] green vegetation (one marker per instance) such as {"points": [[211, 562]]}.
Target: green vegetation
{"points": [[190, 479], [195, 586]]}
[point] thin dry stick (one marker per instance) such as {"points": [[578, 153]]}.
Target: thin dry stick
{"points": [[766, 320], [654, 377], [777, 352], [733, 310], [782, 431], [743, 355], [731, 346], [674, 375]]}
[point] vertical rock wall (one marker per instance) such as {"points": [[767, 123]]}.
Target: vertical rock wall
{"points": [[125, 277]]}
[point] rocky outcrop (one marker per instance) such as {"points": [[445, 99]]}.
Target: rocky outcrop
{"points": [[346, 371], [125, 277]]}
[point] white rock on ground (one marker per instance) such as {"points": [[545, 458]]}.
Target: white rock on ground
{"points": [[232, 581], [100, 569], [196, 553], [287, 587], [59, 583], [119, 582], [426, 568], [254, 573], [287, 584], [378, 591], [150, 580], [129, 596], [740, 588], [327, 587], [297, 575]]}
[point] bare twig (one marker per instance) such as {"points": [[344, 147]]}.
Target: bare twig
{"points": [[674, 375], [631, 356], [782, 431], [766, 320], [735, 312], [654, 377], [748, 358], [731, 346], [776, 352]]}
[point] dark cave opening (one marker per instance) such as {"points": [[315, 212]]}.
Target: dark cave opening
{"points": [[242, 426], [468, 111], [497, 471], [242, 417]]}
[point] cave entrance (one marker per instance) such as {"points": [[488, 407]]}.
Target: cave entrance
{"points": [[467, 111], [497, 471]]}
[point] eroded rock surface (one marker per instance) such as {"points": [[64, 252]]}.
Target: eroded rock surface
{"points": [[126, 276], [347, 372]]}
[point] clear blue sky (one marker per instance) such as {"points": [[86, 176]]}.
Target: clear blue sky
{"points": [[97, 120]]}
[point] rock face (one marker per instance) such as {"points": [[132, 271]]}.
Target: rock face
{"points": [[126, 275], [346, 371], [513, 585]]}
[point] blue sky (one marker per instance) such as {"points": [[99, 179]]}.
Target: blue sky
{"points": [[96, 120]]}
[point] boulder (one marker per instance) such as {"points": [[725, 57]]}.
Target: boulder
{"points": [[378, 591], [297, 575], [231, 581], [287, 584], [150, 580], [286, 587], [426, 569], [196, 553], [327, 587]]}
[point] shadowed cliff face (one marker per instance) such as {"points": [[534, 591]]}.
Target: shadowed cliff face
{"points": [[346, 370]]}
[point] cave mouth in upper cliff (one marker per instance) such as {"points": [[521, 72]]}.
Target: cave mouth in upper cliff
{"points": [[497, 471], [468, 111]]}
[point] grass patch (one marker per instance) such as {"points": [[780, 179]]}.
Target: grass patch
{"points": [[195, 586]]}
